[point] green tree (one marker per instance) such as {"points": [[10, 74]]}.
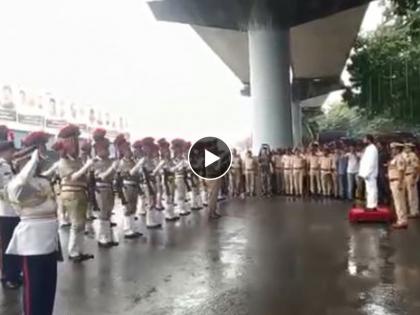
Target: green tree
{"points": [[385, 66]]}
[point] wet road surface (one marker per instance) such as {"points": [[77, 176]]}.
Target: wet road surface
{"points": [[265, 257]]}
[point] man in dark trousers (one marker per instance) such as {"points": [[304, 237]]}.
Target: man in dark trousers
{"points": [[383, 186]]}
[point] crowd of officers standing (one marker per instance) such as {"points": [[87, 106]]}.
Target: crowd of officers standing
{"points": [[328, 171], [331, 171]]}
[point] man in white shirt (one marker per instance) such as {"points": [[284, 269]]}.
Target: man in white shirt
{"points": [[369, 172], [35, 238], [352, 171], [10, 265]]}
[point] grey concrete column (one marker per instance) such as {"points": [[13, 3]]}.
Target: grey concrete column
{"points": [[269, 49], [297, 123]]}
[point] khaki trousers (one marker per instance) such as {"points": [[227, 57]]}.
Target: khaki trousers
{"points": [[298, 182], [288, 181], [315, 181], [131, 194], [398, 195], [235, 182], [326, 183], [214, 188], [250, 181], [105, 199], [410, 183], [75, 203]]}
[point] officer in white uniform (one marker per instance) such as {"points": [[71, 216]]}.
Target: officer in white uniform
{"points": [[10, 265], [35, 238]]}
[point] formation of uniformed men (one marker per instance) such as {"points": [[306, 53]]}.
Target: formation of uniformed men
{"points": [[37, 196]]}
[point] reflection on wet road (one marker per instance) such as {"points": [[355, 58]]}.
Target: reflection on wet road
{"points": [[266, 257]]}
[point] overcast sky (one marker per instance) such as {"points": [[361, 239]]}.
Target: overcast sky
{"points": [[114, 54]]}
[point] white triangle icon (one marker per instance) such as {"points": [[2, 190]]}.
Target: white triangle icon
{"points": [[210, 158]]}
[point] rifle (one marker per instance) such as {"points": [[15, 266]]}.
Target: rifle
{"points": [[166, 182], [187, 184], [148, 182], [119, 188], [92, 190]]}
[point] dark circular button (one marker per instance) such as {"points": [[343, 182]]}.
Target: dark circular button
{"points": [[210, 158]]}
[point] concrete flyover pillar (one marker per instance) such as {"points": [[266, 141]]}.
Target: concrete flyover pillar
{"points": [[269, 49]]}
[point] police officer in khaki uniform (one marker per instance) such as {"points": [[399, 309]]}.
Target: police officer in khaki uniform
{"points": [[165, 168], [326, 166], [334, 175], [235, 174], [298, 166], [180, 169], [138, 154], [314, 171], [396, 171], [287, 161], [130, 185], [410, 179], [74, 190], [250, 173], [146, 167], [104, 171]]}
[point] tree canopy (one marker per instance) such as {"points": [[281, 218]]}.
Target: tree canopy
{"points": [[384, 67]]}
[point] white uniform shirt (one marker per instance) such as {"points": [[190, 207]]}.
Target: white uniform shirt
{"points": [[369, 163], [6, 175], [37, 232], [353, 163]]}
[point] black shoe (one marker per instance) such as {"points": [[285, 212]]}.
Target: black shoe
{"points": [[172, 219], [10, 285], [81, 258], [113, 224], [105, 245], [133, 236], [196, 209], [154, 227], [113, 243]]}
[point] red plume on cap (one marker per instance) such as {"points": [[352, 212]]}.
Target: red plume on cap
{"points": [[99, 134], [35, 138], [69, 131], [4, 133]]}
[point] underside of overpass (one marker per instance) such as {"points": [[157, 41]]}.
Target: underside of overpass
{"points": [[261, 40]]}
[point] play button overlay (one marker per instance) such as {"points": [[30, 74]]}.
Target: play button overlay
{"points": [[210, 158]]}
